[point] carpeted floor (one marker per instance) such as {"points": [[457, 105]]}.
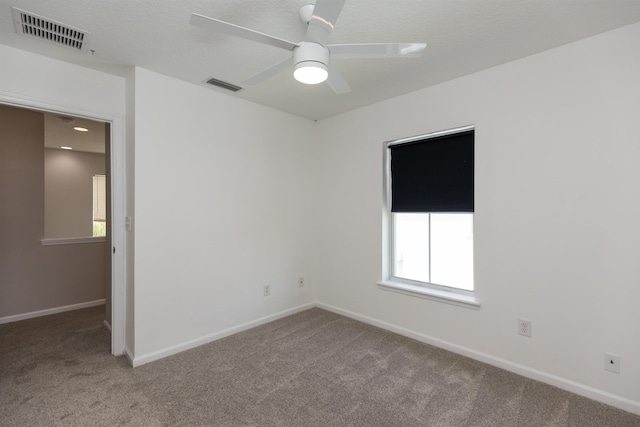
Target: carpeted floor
{"points": [[314, 368]]}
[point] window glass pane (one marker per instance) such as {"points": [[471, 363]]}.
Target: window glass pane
{"points": [[99, 198], [452, 250], [411, 246], [99, 228], [99, 205]]}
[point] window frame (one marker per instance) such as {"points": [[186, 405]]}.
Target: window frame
{"points": [[432, 291]]}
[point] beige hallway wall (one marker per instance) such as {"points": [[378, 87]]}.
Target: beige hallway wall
{"points": [[35, 277], [68, 195]]}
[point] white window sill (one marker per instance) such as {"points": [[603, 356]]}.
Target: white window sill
{"points": [[72, 240], [466, 301]]}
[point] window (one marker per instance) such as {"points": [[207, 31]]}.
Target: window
{"points": [[99, 205], [434, 248], [430, 204]]}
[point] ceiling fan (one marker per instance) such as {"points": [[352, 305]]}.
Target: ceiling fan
{"points": [[311, 58]]}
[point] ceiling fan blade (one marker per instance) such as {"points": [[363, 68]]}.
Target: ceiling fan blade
{"points": [[325, 15], [237, 31], [269, 72], [376, 50], [337, 82]]}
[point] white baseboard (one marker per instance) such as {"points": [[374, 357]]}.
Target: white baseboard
{"points": [[156, 355], [129, 355], [554, 380], [107, 325], [48, 311]]}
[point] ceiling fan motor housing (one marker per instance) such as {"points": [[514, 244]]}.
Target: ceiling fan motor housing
{"points": [[311, 52], [310, 63]]}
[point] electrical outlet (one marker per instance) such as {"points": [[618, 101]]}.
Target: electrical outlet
{"points": [[524, 327], [267, 290], [612, 362], [300, 281]]}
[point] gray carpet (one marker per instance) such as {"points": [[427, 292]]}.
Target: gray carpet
{"points": [[314, 368]]}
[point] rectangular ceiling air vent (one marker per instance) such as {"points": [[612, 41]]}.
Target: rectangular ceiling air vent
{"points": [[222, 84], [30, 24]]}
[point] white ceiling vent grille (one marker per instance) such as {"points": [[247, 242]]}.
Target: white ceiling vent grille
{"points": [[33, 25]]}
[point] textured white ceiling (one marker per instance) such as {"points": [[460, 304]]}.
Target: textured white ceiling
{"points": [[463, 36]]}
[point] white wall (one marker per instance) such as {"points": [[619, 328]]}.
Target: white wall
{"points": [[66, 85], [68, 192], [556, 221], [222, 207]]}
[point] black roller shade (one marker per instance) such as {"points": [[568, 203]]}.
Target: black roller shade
{"points": [[433, 175]]}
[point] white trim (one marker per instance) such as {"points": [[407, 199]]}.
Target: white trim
{"points": [[118, 259], [107, 325], [48, 311], [453, 298], [430, 135], [615, 400], [118, 192], [128, 354], [72, 240], [156, 355]]}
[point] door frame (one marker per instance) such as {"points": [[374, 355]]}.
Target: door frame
{"points": [[118, 206]]}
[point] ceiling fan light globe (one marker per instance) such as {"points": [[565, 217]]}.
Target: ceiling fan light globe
{"points": [[310, 72]]}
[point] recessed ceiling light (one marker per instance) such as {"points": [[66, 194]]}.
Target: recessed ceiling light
{"points": [[81, 129], [64, 147]]}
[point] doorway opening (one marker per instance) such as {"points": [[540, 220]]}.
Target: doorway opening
{"points": [[56, 249]]}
